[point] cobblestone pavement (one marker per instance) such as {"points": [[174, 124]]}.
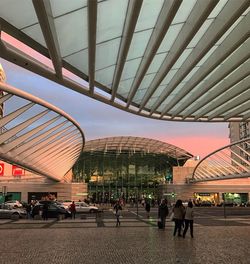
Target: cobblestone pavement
{"points": [[137, 241]]}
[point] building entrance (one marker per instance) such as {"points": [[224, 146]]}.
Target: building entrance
{"points": [[206, 198]]}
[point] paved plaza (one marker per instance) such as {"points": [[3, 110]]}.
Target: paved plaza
{"points": [[138, 240]]}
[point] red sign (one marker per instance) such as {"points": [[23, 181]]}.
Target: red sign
{"points": [[16, 171], [1, 169]]}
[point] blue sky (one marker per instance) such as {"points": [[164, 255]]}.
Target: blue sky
{"points": [[99, 120]]}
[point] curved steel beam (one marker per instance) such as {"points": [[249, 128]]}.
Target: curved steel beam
{"points": [[37, 135], [228, 162]]}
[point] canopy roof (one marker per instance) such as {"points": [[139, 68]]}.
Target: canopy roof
{"points": [[134, 145], [229, 162], [171, 60], [37, 135]]}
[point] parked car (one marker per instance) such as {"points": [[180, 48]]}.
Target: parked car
{"points": [[82, 207], [54, 211], [53, 202], [7, 211], [14, 203], [66, 203]]}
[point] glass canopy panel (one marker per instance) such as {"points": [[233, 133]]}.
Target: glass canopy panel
{"points": [[139, 44], [110, 19], [124, 86], [190, 94], [169, 76], [184, 11], [165, 103], [217, 9], [105, 76], [200, 33], [170, 37], [236, 108], [245, 113], [60, 7], [146, 81], [72, 32], [182, 58], [11, 9], [35, 32], [191, 73], [216, 109], [79, 60], [229, 30], [198, 111], [157, 61], [151, 102], [130, 68], [139, 95], [159, 91], [106, 53], [149, 13], [208, 54], [178, 88]]}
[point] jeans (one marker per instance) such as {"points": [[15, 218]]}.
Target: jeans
{"points": [[178, 225], [187, 223]]}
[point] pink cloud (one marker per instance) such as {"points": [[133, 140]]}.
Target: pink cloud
{"points": [[202, 145]]}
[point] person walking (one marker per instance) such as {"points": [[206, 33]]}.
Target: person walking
{"points": [[118, 209], [179, 212], [29, 210], [147, 208], [45, 211], [162, 214], [189, 219], [72, 209]]}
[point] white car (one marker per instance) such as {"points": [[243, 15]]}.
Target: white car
{"points": [[82, 207], [66, 203], [7, 211], [14, 203]]}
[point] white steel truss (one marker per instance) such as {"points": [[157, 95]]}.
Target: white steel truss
{"points": [[37, 135], [136, 145], [184, 60], [229, 162]]}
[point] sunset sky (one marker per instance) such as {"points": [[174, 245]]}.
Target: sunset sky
{"points": [[100, 120]]}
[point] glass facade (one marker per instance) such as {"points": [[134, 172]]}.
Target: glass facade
{"points": [[111, 175]]}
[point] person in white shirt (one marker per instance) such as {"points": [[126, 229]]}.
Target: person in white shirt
{"points": [[189, 219]]}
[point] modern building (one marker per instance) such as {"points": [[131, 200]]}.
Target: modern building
{"points": [[214, 191], [17, 183], [182, 60], [223, 175], [126, 167], [239, 131]]}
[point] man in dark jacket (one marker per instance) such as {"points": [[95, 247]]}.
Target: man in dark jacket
{"points": [[162, 214], [45, 211]]}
